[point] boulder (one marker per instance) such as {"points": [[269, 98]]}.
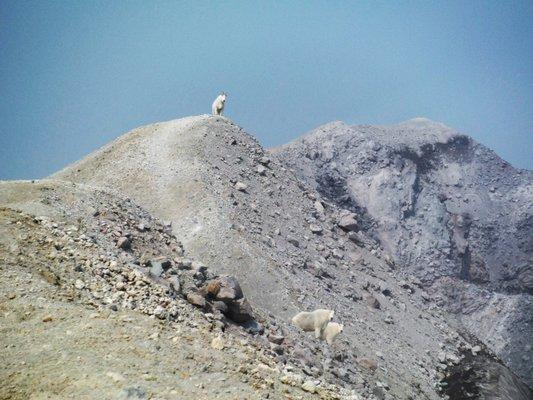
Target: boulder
{"points": [[240, 311]]}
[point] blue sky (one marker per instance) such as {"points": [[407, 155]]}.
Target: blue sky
{"points": [[76, 74]]}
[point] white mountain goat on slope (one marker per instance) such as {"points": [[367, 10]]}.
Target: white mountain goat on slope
{"points": [[218, 104]]}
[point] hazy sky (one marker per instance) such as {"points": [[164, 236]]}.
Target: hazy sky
{"points": [[76, 74]]}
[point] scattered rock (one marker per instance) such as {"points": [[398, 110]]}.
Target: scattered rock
{"points": [[156, 269]]}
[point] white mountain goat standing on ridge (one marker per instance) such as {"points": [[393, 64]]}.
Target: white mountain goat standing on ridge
{"points": [[218, 104]]}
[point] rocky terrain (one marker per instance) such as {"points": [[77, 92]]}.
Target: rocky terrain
{"points": [[169, 263], [446, 209]]}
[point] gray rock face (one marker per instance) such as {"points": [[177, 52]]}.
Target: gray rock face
{"points": [[445, 208]]}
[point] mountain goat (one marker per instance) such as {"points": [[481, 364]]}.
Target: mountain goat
{"points": [[313, 321], [218, 104], [331, 331]]}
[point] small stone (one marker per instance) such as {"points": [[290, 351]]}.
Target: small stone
{"points": [[218, 343], [184, 264], [475, 350], [385, 289], [198, 267], [277, 339], [156, 269], [124, 243], [276, 348], [348, 222], [47, 318], [196, 299], [319, 207], [241, 187], [261, 170], [253, 327], [79, 284], [293, 241], [309, 386], [264, 160], [174, 283], [315, 229], [159, 312]]}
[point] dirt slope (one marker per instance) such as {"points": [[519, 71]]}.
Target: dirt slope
{"points": [[240, 212]]}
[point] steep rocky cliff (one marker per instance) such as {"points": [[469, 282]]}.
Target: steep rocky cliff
{"points": [[445, 208]]}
